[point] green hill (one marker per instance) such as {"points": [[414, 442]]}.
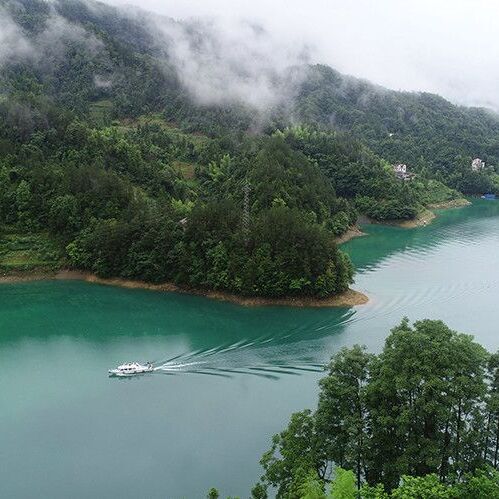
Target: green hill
{"points": [[105, 152]]}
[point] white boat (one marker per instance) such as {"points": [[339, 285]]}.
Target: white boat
{"points": [[131, 369]]}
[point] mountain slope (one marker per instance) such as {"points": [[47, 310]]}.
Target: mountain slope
{"points": [[84, 52], [400, 126], [108, 151]]}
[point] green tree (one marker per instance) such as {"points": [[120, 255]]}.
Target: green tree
{"points": [[342, 413], [425, 487], [491, 443], [343, 485], [419, 408], [23, 204], [213, 494], [483, 484], [423, 391], [312, 488], [64, 214], [292, 455], [259, 491], [373, 491]]}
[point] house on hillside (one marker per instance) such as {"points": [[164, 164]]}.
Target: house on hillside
{"points": [[401, 172], [400, 169], [477, 164]]}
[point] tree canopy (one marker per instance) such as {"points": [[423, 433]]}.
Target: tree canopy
{"points": [[417, 420]]}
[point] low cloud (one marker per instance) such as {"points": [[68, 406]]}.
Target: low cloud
{"points": [[449, 47], [102, 82], [236, 51], [42, 47], [240, 61], [13, 44], [58, 32]]}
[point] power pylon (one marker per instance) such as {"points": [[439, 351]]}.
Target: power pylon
{"points": [[246, 211]]}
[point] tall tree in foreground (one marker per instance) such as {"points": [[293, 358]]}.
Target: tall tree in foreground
{"points": [[424, 388], [341, 416], [426, 406]]}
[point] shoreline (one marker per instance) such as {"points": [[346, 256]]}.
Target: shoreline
{"points": [[427, 216], [17, 276], [422, 219], [447, 205], [351, 233], [349, 298]]}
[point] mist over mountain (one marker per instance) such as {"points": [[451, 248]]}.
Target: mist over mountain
{"points": [[229, 156], [442, 47], [83, 52]]}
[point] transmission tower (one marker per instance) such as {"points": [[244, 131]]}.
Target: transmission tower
{"points": [[246, 211]]}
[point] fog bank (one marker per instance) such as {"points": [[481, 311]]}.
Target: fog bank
{"points": [[449, 47]]}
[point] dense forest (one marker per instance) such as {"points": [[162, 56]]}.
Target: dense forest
{"points": [[420, 420], [109, 164], [419, 129]]}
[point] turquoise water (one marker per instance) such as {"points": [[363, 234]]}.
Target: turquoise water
{"points": [[231, 376]]}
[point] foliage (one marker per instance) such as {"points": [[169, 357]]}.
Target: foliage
{"points": [[213, 494], [431, 191], [418, 417], [112, 197], [356, 173], [482, 484], [27, 252], [341, 415], [343, 485], [425, 487], [420, 129]]}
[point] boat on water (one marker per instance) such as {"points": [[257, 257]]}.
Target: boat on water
{"points": [[489, 196], [131, 369]]}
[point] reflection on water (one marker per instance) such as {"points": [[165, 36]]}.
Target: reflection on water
{"points": [[228, 376], [181, 332]]}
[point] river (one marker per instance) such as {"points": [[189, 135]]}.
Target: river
{"points": [[231, 377]]}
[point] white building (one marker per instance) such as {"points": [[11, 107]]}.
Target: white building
{"points": [[401, 172], [400, 168], [477, 164]]}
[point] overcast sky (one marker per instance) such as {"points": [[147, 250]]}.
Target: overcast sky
{"points": [[450, 47]]}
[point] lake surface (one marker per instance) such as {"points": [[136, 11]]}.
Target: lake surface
{"points": [[232, 376]]}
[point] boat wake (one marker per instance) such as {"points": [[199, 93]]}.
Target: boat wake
{"points": [[269, 371], [234, 359], [266, 356]]}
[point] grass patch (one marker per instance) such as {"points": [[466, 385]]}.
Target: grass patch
{"points": [[25, 252], [432, 192], [187, 170], [100, 111], [171, 128]]}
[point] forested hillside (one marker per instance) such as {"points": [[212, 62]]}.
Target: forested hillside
{"points": [[414, 128], [419, 420], [112, 165]]}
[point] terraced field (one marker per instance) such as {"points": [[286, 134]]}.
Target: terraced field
{"points": [[24, 252]]}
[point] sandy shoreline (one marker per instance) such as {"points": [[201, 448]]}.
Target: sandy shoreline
{"points": [[423, 218], [427, 215], [351, 233], [349, 298], [26, 277], [454, 203]]}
